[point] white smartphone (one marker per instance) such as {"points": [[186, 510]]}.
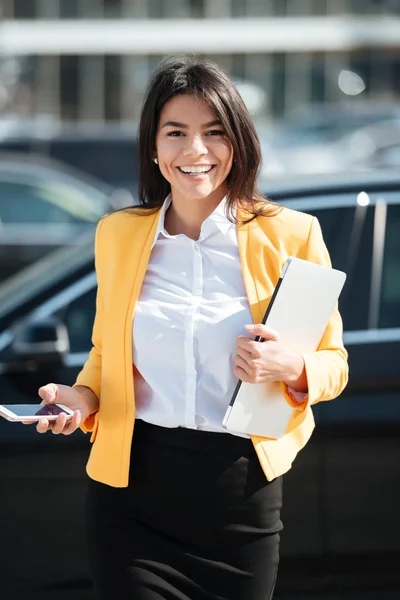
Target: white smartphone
{"points": [[33, 412]]}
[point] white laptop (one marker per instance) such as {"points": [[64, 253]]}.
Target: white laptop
{"points": [[299, 311]]}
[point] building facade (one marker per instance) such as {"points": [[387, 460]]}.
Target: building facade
{"points": [[108, 85]]}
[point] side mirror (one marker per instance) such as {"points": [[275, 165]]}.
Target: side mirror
{"points": [[40, 340]]}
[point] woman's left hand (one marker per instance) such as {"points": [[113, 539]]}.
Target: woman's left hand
{"points": [[268, 360]]}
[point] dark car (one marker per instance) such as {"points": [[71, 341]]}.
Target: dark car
{"points": [[342, 498], [105, 151], [45, 205]]}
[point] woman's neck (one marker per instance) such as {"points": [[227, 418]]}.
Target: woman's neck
{"points": [[187, 216]]}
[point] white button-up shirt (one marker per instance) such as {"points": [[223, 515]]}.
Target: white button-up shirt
{"points": [[191, 309]]}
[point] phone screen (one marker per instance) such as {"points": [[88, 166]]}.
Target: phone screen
{"points": [[34, 410]]}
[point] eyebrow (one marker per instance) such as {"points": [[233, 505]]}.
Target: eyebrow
{"points": [[183, 126]]}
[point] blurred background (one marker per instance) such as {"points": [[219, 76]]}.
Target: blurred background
{"points": [[321, 79], [320, 75]]}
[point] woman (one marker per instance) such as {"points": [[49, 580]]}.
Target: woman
{"points": [[177, 507]]}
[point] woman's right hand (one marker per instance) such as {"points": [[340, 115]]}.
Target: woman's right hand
{"points": [[82, 400]]}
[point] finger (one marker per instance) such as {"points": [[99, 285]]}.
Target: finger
{"points": [[242, 375], [42, 426], [59, 424], [246, 343], [264, 332], [28, 422], [245, 366], [48, 392], [245, 353], [248, 348], [73, 423]]}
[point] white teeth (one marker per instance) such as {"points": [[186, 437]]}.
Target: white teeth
{"points": [[196, 169]]}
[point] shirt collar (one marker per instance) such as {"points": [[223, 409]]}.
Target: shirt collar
{"points": [[161, 219], [217, 218]]}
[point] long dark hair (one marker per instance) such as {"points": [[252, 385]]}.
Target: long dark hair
{"points": [[182, 74]]}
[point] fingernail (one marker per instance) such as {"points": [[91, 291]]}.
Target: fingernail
{"points": [[249, 327], [48, 396]]}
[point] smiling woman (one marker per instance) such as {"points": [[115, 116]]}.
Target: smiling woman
{"points": [[217, 131], [177, 506], [195, 158]]}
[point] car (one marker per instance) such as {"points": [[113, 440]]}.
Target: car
{"points": [[373, 146], [44, 205], [106, 151], [332, 138], [328, 122], [341, 518]]}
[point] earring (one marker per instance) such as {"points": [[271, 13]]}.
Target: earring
{"points": [[156, 160]]}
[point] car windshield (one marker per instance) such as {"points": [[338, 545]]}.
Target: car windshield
{"points": [[74, 200], [45, 273], [53, 193]]}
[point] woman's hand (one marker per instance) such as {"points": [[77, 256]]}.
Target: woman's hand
{"points": [[268, 360], [80, 399]]}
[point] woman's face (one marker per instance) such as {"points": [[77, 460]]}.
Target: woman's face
{"points": [[194, 154]]}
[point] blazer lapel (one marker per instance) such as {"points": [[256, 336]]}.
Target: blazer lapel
{"points": [[260, 264], [138, 249]]}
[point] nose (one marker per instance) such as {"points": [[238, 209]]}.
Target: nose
{"points": [[195, 146]]}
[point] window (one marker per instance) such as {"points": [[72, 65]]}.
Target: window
{"points": [[113, 160], [196, 9], [389, 315], [388, 157], [78, 318], [112, 9], [372, 7], [69, 86], [347, 233], [25, 9], [22, 203], [280, 8], [69, 9], [52, 202], [112, 87], [156, 9]]}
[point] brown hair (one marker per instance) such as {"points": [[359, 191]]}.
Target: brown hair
{"points": [[182, 74]]}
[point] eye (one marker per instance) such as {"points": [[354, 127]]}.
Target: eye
{"points": [[174, 133], [216, 132]]}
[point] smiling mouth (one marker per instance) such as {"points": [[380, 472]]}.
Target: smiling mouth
{"points": [[196, 171]]}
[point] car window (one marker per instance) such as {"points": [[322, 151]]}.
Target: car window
{"points": [[386, 157], [78, 317], [112, 161], [347, 233], [23, 203], [389, 314]]}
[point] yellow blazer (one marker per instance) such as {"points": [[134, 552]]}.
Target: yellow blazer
{"points": [[122, 251]]}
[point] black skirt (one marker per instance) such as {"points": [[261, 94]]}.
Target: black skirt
{"points": [[198, 521]]}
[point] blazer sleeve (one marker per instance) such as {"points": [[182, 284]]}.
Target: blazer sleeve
{"points": [[327, 368], [90, 375]]}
